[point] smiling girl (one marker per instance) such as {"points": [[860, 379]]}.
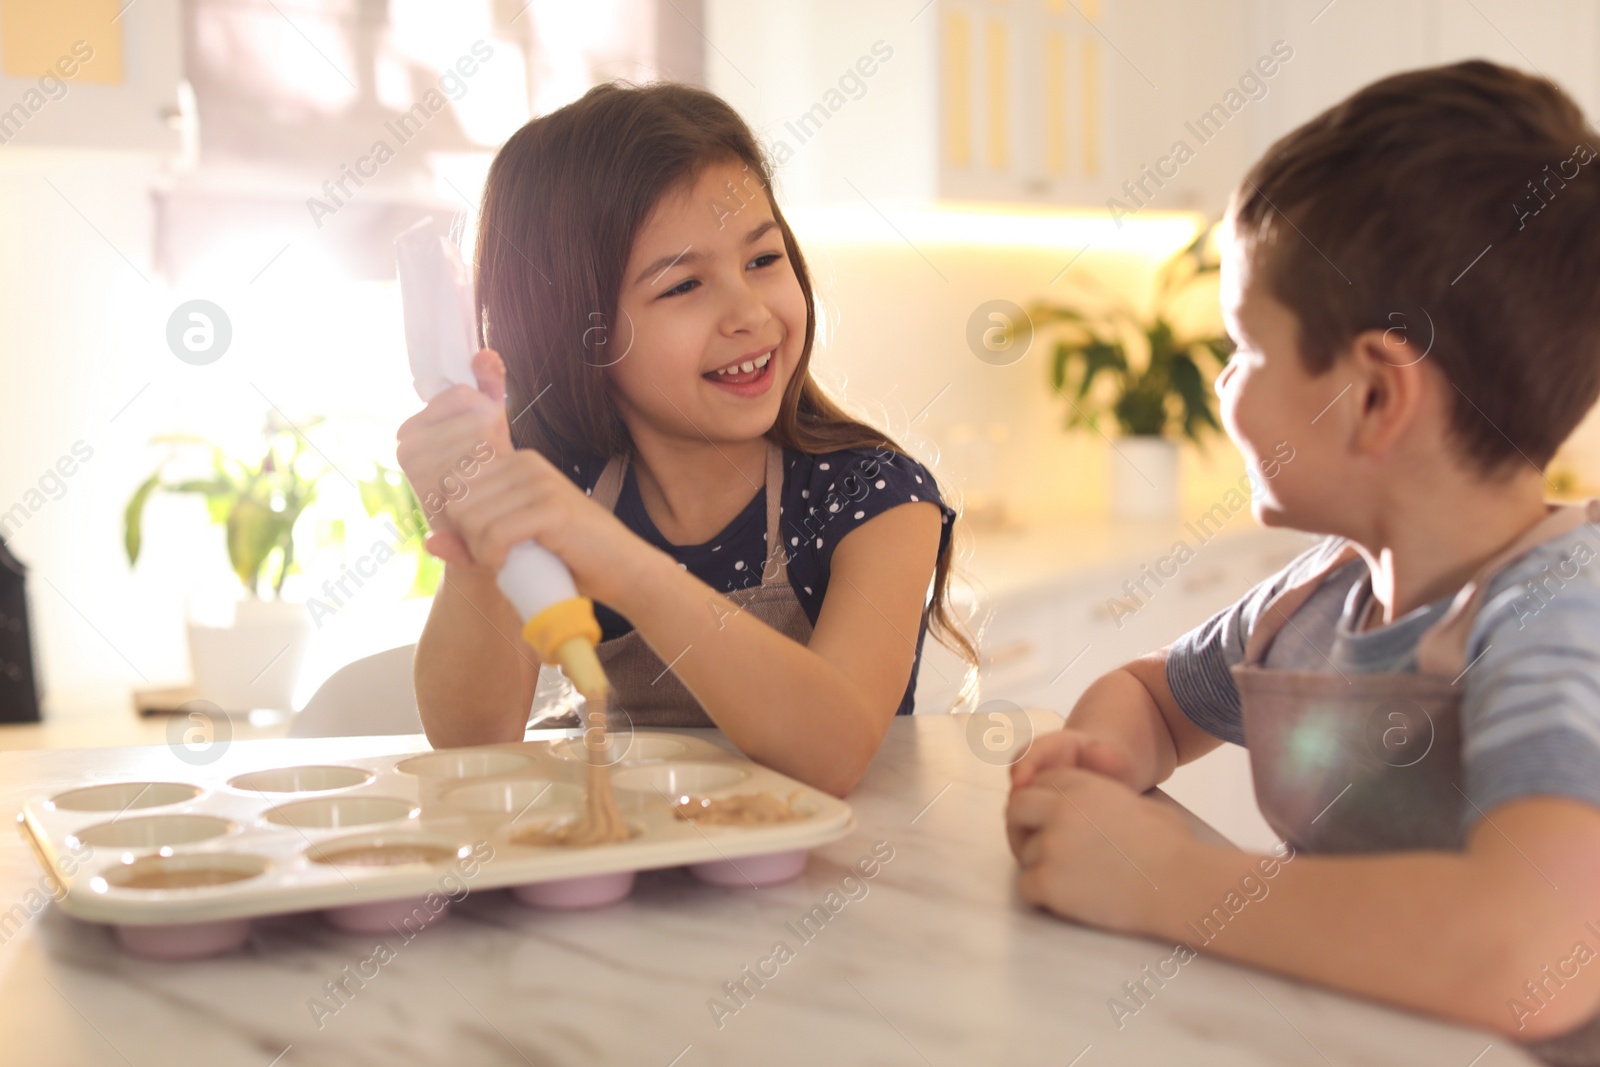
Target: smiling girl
{"points": [[761, 562]]}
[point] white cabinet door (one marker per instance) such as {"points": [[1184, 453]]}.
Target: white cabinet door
{"points": [[1159, 106], [1111, 105], [1021, 100]]}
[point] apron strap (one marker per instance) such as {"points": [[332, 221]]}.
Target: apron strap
{"points": [[1276, 614], [1443, 649], [775, 571], [608, 487]]}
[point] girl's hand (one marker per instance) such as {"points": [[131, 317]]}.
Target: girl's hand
{"points": [[1068, 748], [443, 446], [520, 496], [1094, 851], [494, 496]]}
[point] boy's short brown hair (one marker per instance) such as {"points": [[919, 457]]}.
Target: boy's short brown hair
{"points": [[1460, 204]]}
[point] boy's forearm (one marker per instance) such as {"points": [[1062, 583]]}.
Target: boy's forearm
{"points": [[1118, 707], [1429, 931], [467, 675], [1331, 919]]}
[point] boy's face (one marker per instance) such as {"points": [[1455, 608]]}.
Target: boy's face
{"points": [[1290, 426]]}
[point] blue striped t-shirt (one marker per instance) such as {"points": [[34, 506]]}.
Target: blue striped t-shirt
{"points": [[1530, 712]]}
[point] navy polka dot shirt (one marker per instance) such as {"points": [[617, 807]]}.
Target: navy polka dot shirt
{"points": [[824, 498]]}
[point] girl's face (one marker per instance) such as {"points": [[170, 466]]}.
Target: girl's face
{"points": [[1286, 422], [713, 315]]}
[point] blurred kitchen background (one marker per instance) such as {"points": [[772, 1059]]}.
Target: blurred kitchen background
{"points": [[196, 273]]}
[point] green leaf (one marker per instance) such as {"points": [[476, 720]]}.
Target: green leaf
{"points": [[379, 495], [1045, 314], [430, 572], [240, 496], [1142, 412], [208, 486], [1160, 334], [1221, 348], [1110, 339], [1098, 357], [254, 530], [133, 517], [372, 494], [286, 564], [1196, 397]]}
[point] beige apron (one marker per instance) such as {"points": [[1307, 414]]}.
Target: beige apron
{"points": [[1353, 762], [641, 684]]}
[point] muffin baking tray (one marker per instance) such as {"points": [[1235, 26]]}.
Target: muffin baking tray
{"points": [[181, 864]]}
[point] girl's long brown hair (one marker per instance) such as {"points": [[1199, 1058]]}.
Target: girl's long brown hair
{"points": [[564, 199]]}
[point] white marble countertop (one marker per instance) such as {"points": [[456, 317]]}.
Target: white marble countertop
{"points": [[937, 962]]}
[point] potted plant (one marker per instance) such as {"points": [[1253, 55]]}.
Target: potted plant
{"points": [[255, 661], [389, 496], [1144, 370]]}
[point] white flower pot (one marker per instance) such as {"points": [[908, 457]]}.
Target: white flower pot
{"points": [[255, 662], [1144, 478]]}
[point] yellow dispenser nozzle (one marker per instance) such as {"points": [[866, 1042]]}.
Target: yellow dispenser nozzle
{"points": [[565, 634], [577, 657]]}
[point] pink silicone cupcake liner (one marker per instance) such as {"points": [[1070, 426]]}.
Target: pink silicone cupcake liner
{"points": [[746, 871], [183, 941], [593, 891]]}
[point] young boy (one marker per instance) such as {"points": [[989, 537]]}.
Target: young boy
{"points": [[1413, 282]]}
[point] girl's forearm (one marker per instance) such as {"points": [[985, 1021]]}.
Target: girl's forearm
{"points": [[811, 721], [471, 682]]}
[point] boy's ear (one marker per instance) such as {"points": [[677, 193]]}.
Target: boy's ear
{"points": [[1390, 377]]}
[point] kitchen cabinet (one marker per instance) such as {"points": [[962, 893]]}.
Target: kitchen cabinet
{"points": [[1022, 100], [1118, 106], [1044, 102], [122, 92]]}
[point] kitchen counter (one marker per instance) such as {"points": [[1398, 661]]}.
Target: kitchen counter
{"points": [[1009, 560], [935, 962]]}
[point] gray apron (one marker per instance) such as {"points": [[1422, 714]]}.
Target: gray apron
{"points": [[641, 684], [1371, 762]]}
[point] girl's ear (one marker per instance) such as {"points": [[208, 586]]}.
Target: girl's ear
{"points": [[490, 370]]}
